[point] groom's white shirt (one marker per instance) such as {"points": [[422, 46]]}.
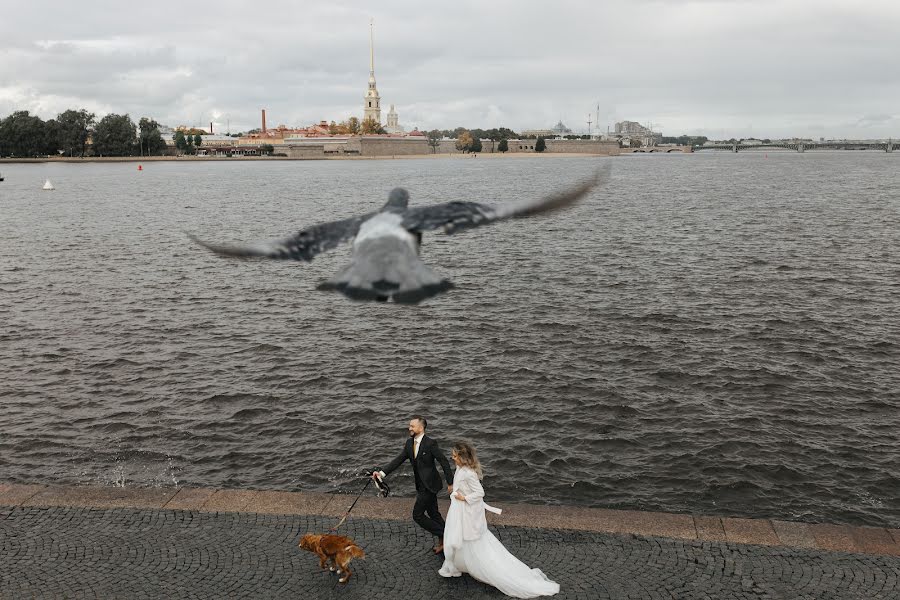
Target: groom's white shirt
{"points": [[417, 441]]}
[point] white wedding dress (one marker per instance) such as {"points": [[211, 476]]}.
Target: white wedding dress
{"points": [[470, 547]]}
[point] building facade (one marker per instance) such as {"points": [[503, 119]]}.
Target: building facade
{"points": [[393, 122]]}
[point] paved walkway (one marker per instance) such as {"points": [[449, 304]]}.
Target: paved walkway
{"points": [[168, 543]]}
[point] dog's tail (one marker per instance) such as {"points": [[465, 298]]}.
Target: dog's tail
{"points": [[355, 551]]}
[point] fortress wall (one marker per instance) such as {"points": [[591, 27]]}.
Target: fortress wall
{"points": [[374, 146], [585, 146]]}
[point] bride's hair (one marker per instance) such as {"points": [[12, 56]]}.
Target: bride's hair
{"points": [[465, 451]]}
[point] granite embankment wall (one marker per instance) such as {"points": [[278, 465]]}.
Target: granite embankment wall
{"points": [[766, 532]]}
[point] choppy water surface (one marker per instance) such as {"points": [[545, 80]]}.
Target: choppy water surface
{"points": [[710, 333]]}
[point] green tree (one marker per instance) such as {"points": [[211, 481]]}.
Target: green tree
{"points": [[22, 135], [115, 136], [73, 131], [476, 144], [180, 141], [149, 138], [353, 125], [371, 126], [503, 146], [184, 142], [51, 138], [266, 149], [198, 139], [434, 139], [540, 145], [464, 141]]}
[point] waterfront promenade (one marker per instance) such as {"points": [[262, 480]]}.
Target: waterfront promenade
{"points": [[111, 542]]}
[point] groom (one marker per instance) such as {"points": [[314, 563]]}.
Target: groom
{"points": [[422, 451]]}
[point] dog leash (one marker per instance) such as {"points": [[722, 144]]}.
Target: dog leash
{"points": [[358, 496]]}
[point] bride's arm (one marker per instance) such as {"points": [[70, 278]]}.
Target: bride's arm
{"points": [[476, 491]]}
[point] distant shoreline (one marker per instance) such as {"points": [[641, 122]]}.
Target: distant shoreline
{"points": [[114, 159]]}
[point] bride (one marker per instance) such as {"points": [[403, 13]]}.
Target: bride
{"points": [[469, 547]]}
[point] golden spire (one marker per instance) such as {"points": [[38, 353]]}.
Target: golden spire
{"points": [[372, 48]]}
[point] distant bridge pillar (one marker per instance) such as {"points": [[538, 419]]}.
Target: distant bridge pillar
{"points": [[801, 148], [889, 147], [734, 148]]}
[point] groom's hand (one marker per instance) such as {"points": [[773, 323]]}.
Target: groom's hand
{"points": [[449, 488]]}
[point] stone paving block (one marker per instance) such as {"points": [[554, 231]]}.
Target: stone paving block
{"points": [[189, 498], [895, 533], [15, 494], [396, 509], [228, 501], [709, 528], [527, 514], [101, 497], [875, 540], [289, 503], [834, 537], [62, 552], [659, 524], [749, 531], [797, 535]]}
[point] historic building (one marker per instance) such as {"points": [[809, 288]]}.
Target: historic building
{"points": [[558, 130], [372, 101], [631, 128], [393, 122]]}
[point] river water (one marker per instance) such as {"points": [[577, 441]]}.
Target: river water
{"points": [[708, 333]]}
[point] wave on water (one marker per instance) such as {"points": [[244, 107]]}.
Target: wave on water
{"points": [[707, 348]]}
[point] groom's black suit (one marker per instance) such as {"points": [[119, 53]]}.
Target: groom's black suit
{"points": [[428, 481]]}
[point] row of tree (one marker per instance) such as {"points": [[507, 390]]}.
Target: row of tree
{"points": [[353, 126], [470, 140], [685, 140], [23, 135]]}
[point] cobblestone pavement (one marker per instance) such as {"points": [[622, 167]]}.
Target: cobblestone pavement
{"points": [[64, 552]]}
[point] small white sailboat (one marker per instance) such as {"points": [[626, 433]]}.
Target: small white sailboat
{"points": [[48, 185]]}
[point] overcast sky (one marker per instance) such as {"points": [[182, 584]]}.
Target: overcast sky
{"points": [[727, 68]]}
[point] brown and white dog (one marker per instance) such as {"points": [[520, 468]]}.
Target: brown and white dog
{"points": [[341, 550]]}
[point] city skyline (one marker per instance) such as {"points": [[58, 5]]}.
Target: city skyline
{"points": [[716, 68]]}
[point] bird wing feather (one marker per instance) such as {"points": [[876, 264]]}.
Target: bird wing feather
{"points": [[456, 216], [303, 245]]}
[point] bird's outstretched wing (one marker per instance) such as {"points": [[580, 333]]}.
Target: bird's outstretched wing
{"points": [[303, 245], [455, 216]]}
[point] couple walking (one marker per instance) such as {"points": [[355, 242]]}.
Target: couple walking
{"points": [[467, 543]]}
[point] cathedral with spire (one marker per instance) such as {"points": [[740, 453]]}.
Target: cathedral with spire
{"points": [[372, 101]]}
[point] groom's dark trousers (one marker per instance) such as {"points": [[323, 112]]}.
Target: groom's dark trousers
{"points": [[428, 482]]}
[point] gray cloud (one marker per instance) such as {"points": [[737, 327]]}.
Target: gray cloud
{"points": [[724, 68]]}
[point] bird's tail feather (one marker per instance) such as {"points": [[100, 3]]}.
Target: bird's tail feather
{"points": [[385, 269]]}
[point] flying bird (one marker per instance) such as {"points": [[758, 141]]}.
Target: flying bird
{"points": [[385, 263]]}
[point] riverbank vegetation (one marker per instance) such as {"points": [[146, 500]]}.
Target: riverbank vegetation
{"points": [[79, 133]]}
